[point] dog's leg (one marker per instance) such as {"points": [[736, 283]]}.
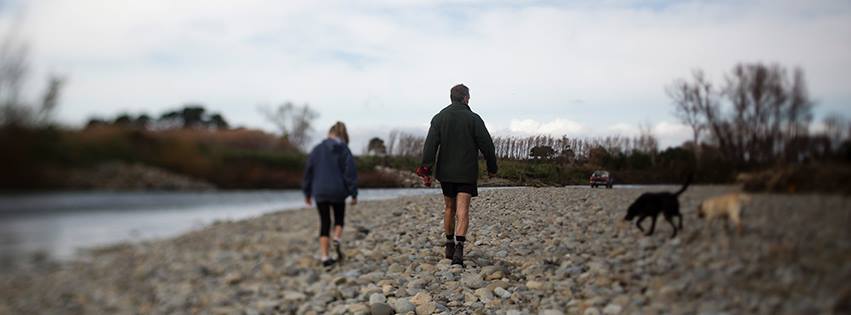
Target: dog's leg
{"points": [[735, 216], [670, 220], [737, 222], [638, 224], [653, 225]]}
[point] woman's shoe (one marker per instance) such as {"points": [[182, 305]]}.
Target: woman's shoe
{"points": [[328, 263]]}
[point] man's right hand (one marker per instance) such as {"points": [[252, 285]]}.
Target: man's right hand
{"points": [[424, 174], [308, 201]]}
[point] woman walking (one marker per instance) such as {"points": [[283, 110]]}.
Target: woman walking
{"points": [[329, 178]]}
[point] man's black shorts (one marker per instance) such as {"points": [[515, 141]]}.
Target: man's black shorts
{"points": [[451, 190]]}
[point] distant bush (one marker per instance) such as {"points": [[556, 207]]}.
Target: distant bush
{"points": [[231, 158]]}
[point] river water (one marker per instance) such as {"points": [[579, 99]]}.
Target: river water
{"points": [[60, 224]]}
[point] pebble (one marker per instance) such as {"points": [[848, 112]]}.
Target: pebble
{"points": [[421, 298], [427, 308], [534, 285], [377, 298], [403, 306], [472, 280], [395, 268], [484, 294], [381, 309], [591, 311], [359, 309], [536, 251], [293, 296], [502, 293], [612, 309]]}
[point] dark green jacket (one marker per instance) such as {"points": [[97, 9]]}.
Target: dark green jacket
{"points": [[455, 138]]}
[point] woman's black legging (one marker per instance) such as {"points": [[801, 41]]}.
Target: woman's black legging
{"points": [[325, 215]]}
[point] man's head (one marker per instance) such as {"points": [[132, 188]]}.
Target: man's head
{"points": [[459, 93]]}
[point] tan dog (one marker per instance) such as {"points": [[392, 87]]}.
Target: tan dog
{"points": [[729, 206]]}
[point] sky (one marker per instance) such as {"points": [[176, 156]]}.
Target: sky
{"points": [[575, 68]]}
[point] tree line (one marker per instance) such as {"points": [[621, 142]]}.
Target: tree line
{"points": [[539, 147], [190, 116]]}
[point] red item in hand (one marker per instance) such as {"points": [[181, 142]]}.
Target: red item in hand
{"points": [[424, 172]]}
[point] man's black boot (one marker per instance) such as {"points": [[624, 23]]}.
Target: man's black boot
{"points": [[458, 255], [449, 246]]}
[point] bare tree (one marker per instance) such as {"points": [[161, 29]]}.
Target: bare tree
{"points": [[646, 141], [294, 122], [14, 71], [410, 145], [834, 129], [798, 116], [690, 101], [391, 142], [769, 113], [765, 103], [14, 68]]}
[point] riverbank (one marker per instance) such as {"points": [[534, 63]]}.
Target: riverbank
{"points": [[529, 250]]}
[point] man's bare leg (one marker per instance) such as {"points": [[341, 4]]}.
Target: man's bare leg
{"points": [[449, 215], [449, 225], [462, 221]]}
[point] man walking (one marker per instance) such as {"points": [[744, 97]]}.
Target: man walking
{"points": [[454, 140]]}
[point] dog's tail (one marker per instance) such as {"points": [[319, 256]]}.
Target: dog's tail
{"points": [[685, 186]]}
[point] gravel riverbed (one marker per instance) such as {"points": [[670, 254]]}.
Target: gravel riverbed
{"points": [[529, 251]]}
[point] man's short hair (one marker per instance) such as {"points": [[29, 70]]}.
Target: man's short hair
{"points": [[458, 92]]}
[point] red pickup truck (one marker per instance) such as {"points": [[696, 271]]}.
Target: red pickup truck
{"points": [[601, 178]]}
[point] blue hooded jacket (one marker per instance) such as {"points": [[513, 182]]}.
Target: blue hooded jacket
{"points": [[330, 175]]}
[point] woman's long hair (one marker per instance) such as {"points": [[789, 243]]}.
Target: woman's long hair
{"points": [[339, 130]]}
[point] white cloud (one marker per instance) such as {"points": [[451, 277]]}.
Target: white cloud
{"points": [[391, 63], [670, 129], [623, 129], [557, 127]]}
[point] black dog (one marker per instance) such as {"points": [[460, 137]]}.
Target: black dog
{"points": [[650, 204]]}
